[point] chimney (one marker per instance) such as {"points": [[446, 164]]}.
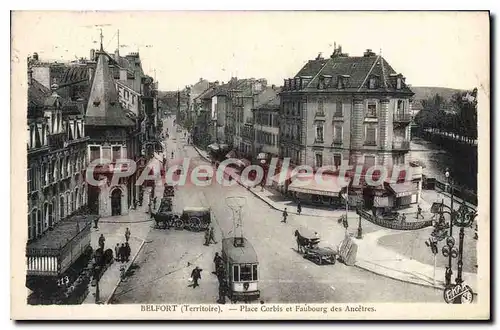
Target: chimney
{"points": [[30, 76], [368, 53], [35, 56], [201, 79]]}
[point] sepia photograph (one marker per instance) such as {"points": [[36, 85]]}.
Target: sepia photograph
{"points": [[250, 165]]}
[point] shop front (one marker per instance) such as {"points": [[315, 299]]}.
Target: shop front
{"points": [[404, 194], [323, 190]]}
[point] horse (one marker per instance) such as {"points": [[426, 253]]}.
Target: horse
{"points": [[304, 242]]}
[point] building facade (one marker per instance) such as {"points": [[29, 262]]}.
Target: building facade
{"points": [[352, 111], [58, 228], [114, 134], [266, 123]]}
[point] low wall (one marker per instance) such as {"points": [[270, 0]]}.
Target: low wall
{"points": [[393, 224]]}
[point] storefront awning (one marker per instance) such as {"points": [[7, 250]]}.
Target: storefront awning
{"points": [[403, 189], [330, 185]]}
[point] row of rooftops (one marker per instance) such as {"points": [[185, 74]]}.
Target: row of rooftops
{"points": [[340, 72], [351, 73]]}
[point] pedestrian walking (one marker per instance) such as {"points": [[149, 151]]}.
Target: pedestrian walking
{"points": [[127, 234], [196, 276], [154, 203], [127, 252], [217, 262], [299, 207], [403, 218], [96, 220], [207, 237], [419, 212], [117, 252], [150, 211], [222, 292], [211, 237], [101, 242], [172, 155], [285, 215]]}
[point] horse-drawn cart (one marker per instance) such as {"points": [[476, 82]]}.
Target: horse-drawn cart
{"points": [[307, 243], [191, 218], [321, 256]]}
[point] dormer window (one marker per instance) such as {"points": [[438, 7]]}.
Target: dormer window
{"points": [[321, 83], [340, 82], [399, 83], [373, 82], [327, 80]]}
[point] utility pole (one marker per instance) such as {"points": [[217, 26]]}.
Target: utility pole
{"points": [[118, 41]]}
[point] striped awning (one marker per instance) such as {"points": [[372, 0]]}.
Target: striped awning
{"points": [[328, 186]]}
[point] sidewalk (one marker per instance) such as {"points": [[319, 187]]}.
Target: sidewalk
{"points": [[371, 255], [386, 262], [113, 229]]}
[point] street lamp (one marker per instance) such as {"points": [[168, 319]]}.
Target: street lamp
{"points": [[360, 229], [449, 271]]}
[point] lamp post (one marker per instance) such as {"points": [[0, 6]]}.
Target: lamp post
{"points": [[360, 229], [449, 271]]}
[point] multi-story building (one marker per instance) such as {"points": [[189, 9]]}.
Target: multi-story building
{"points": [[349, 110], [194, 91], [58, 233], [114, 134], [266, 124]]}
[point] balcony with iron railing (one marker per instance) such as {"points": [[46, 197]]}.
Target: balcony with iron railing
{"points": [[402, 145]]}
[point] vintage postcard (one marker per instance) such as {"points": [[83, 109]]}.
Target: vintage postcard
{"points": [[250, 165]]}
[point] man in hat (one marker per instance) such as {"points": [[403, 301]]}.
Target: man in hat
{"points": [[127, 234], [217, 262], [207, 237], [211, 237], [196, 275], [285, 215], [101, 241], [299, 207], [117, 252]]}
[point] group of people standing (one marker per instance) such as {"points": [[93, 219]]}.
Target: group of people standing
{"points": [[122, 252]]}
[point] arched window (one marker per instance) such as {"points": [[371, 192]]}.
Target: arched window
{"points": [[68, 204], [62, 212], [78, 201], [73, 201], [32, 225]]}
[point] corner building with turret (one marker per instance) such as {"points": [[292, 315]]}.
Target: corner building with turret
{"points": [[349, 110]]}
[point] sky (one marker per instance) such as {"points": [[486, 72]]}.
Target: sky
{"points": [[445, 49]]}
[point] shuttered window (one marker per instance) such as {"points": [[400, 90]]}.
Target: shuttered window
{"points": [[371, 136], [369, 160], [95, 153], [337, 133]]}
